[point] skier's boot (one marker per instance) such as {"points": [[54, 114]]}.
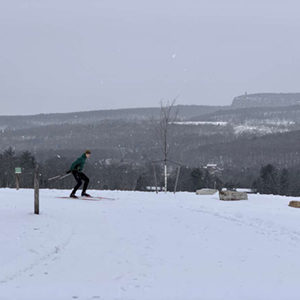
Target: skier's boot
{"points": [[86, 195], [73, 196]]}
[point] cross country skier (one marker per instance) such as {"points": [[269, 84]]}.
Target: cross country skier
{"points": [[76, 169]]}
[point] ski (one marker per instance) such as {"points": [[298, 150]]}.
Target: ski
{"points": [[88, 198], [103, 198]]}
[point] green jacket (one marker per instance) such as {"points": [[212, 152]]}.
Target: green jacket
{"points": [[78, 164]]}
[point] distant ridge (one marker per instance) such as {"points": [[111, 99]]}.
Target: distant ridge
{"points": [[266, 100], [269, 101], [185, 112]]}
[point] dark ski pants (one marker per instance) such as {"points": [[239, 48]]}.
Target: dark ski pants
{"points": [[79, 177]]}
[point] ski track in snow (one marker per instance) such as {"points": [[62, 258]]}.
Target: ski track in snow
{"points": [[148, 246], [270, 229], [41, 252]]}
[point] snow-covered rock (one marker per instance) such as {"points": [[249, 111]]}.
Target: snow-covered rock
{"points": [[206, 192], [233, 195], [294, 204]]}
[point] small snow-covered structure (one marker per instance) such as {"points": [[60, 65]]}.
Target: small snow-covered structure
{"points": [[294, 204], [206, 192], [213, 169], [154, 188], [232, 196]]}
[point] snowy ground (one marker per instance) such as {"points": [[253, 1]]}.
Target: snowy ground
{"points": [[148, 246]]}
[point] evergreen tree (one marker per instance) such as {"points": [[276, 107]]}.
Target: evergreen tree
{"points": [[284, 182], [141, 183], [8, 161], [196, 176], [207, 180], [269, 180]]}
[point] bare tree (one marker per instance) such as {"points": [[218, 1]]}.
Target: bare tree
{"points": [[168, 115]]}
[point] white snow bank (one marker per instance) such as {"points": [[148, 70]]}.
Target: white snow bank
{"points": [[197, 123], [148, 246]]}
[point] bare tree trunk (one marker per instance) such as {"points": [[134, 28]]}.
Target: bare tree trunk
{"points": [[166, 177], [167, 117]]}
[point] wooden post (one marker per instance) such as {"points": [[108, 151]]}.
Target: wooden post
{"points": [[17, 182], [36, 191], [18, 171]]}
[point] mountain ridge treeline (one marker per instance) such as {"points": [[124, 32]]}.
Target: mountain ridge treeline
{"points": [[266, 180]]}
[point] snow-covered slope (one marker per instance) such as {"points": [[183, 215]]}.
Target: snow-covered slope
{"points": [[148, 246]]}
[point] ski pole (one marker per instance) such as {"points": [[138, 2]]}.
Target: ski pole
{"points": [[59, 177], [64, 176], [55, 177]]}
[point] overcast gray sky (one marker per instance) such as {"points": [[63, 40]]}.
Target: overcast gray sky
{"points": [[72, 55]]}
